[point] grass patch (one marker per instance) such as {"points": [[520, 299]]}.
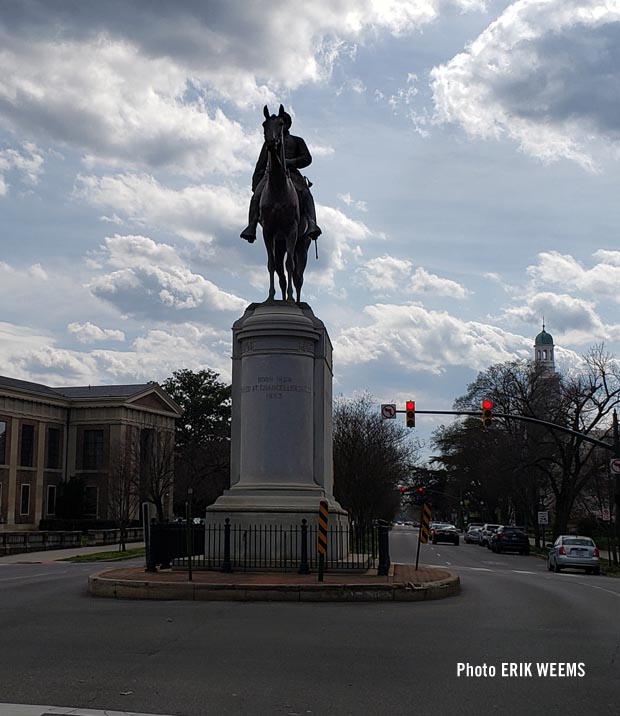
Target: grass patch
{"points": [[114, 556]]}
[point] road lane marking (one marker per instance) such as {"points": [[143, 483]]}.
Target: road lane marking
{"points": [[602, 589], [31, 576], [521, 571]]}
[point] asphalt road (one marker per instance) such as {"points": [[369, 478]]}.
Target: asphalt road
{"points": [[62, 647]]}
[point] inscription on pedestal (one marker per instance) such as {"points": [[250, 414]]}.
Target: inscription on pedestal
{"points": [[275, 387]]}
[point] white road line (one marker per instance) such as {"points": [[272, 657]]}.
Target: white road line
{"points": [[31, 576], [602, 589], [521, 571]]}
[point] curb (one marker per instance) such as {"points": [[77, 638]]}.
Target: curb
{"points": [[101, 586]]}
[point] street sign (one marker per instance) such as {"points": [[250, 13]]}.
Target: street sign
{"points": [[614, 465], [543, 518], [388, 410], [606, 515]]}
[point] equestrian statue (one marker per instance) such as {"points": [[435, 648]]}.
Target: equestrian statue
{"points": [[283, 205]]}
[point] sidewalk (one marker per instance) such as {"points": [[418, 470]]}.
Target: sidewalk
{"points": [[53, 555], [404, 583]]}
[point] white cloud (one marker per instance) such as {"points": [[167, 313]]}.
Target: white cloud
{"points": [[26, 163], [420, 340], [386, 274], [151, 279], [543, 74], [117, 105], [152, 356], [195, 212], [350, 201], [601, 280], [89, 333]]}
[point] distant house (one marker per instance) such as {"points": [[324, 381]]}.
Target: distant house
{"points": [[49, 435]]}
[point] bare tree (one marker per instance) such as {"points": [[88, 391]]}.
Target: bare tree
{"points": [[123, 496], [539, 462], [154, 451], [372, 457]]}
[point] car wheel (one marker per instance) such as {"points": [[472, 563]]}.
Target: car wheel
{"points": [[556, 568], [527, 552], [434, 541], [456, 544], [597, 570], [588, 570], [498, 550]]}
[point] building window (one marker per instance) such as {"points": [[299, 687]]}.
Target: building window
{"points": [[26, 454], [53, 449], [2, 442], [90, 500], [51, 499], [24, 508], [93, 450]]}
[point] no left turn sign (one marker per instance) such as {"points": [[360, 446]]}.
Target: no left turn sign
{"points": [[388, 410], [614, 465]]}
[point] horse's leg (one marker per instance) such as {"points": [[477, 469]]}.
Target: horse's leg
{"points": [[301, 259], [291, 240], [269, 245], [280, 248]]}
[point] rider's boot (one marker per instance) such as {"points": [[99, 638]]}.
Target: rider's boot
{"points": [[312, 228], [249, 233]]}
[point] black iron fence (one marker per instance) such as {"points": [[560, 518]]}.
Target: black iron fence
{"points": [[230, 547]]}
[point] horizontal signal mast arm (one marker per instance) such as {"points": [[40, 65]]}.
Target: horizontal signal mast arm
{"points": [[523, 418]]}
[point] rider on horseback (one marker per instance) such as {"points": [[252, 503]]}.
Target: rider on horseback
{"points": [[297, 157]]}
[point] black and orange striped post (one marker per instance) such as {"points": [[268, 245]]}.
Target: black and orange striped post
{"points": [[321, 540], [424, 529]]}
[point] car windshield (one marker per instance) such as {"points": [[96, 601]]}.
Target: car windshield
{"points": [[580, 541]]}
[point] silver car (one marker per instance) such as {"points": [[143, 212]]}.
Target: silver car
{"points": [[576, 552], [472, 536]]}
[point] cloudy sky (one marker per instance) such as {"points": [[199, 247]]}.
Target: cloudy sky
{"points": [[466, 165]]}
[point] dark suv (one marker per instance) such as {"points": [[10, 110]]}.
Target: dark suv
{"points": [[445, 533], [510, 539]]}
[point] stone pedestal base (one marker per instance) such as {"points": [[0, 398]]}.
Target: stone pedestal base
{"points": [[281, 435]]}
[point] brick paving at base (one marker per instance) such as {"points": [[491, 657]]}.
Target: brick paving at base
{"points": [[399, 574]]}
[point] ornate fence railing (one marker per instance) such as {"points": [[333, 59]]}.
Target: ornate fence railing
{"points": [[233, 547]]}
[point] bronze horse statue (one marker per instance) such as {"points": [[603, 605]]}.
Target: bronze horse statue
{"points": [[287, 248]]}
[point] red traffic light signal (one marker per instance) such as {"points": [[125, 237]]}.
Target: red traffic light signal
{"points": [[420, 490], [487, 413], [410, 414], [403, 489]]}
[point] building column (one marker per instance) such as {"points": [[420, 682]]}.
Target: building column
{"points": [[38, 479], [13, 460]]}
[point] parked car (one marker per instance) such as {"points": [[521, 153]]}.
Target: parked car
{"points": [[480, 525], [472, 536], [486, 532], [510, 539], [575, 552], [446, 533]]}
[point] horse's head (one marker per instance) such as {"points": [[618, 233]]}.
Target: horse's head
{"points": [[274, 126]]}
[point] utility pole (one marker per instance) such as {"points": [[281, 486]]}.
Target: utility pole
{"points": [[616, 482]]}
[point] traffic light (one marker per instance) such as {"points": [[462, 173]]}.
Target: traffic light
{"points": [[487, 413], [403, 489], [419, 494], [410, 414]]}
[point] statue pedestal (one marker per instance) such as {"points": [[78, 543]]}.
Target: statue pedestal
{"points": [[281, 436]]}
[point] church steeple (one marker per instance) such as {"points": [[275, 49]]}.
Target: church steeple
{"points": [[543, 350]]}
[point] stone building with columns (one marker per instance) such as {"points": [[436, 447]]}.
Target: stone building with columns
{"points": [[50, 435]]}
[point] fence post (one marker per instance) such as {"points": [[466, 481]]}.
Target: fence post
{"points": [[152, 546], [384, 549], [304, 567], [226, 564]]}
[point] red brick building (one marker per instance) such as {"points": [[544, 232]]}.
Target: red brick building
{"points": [[49, 435]]}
